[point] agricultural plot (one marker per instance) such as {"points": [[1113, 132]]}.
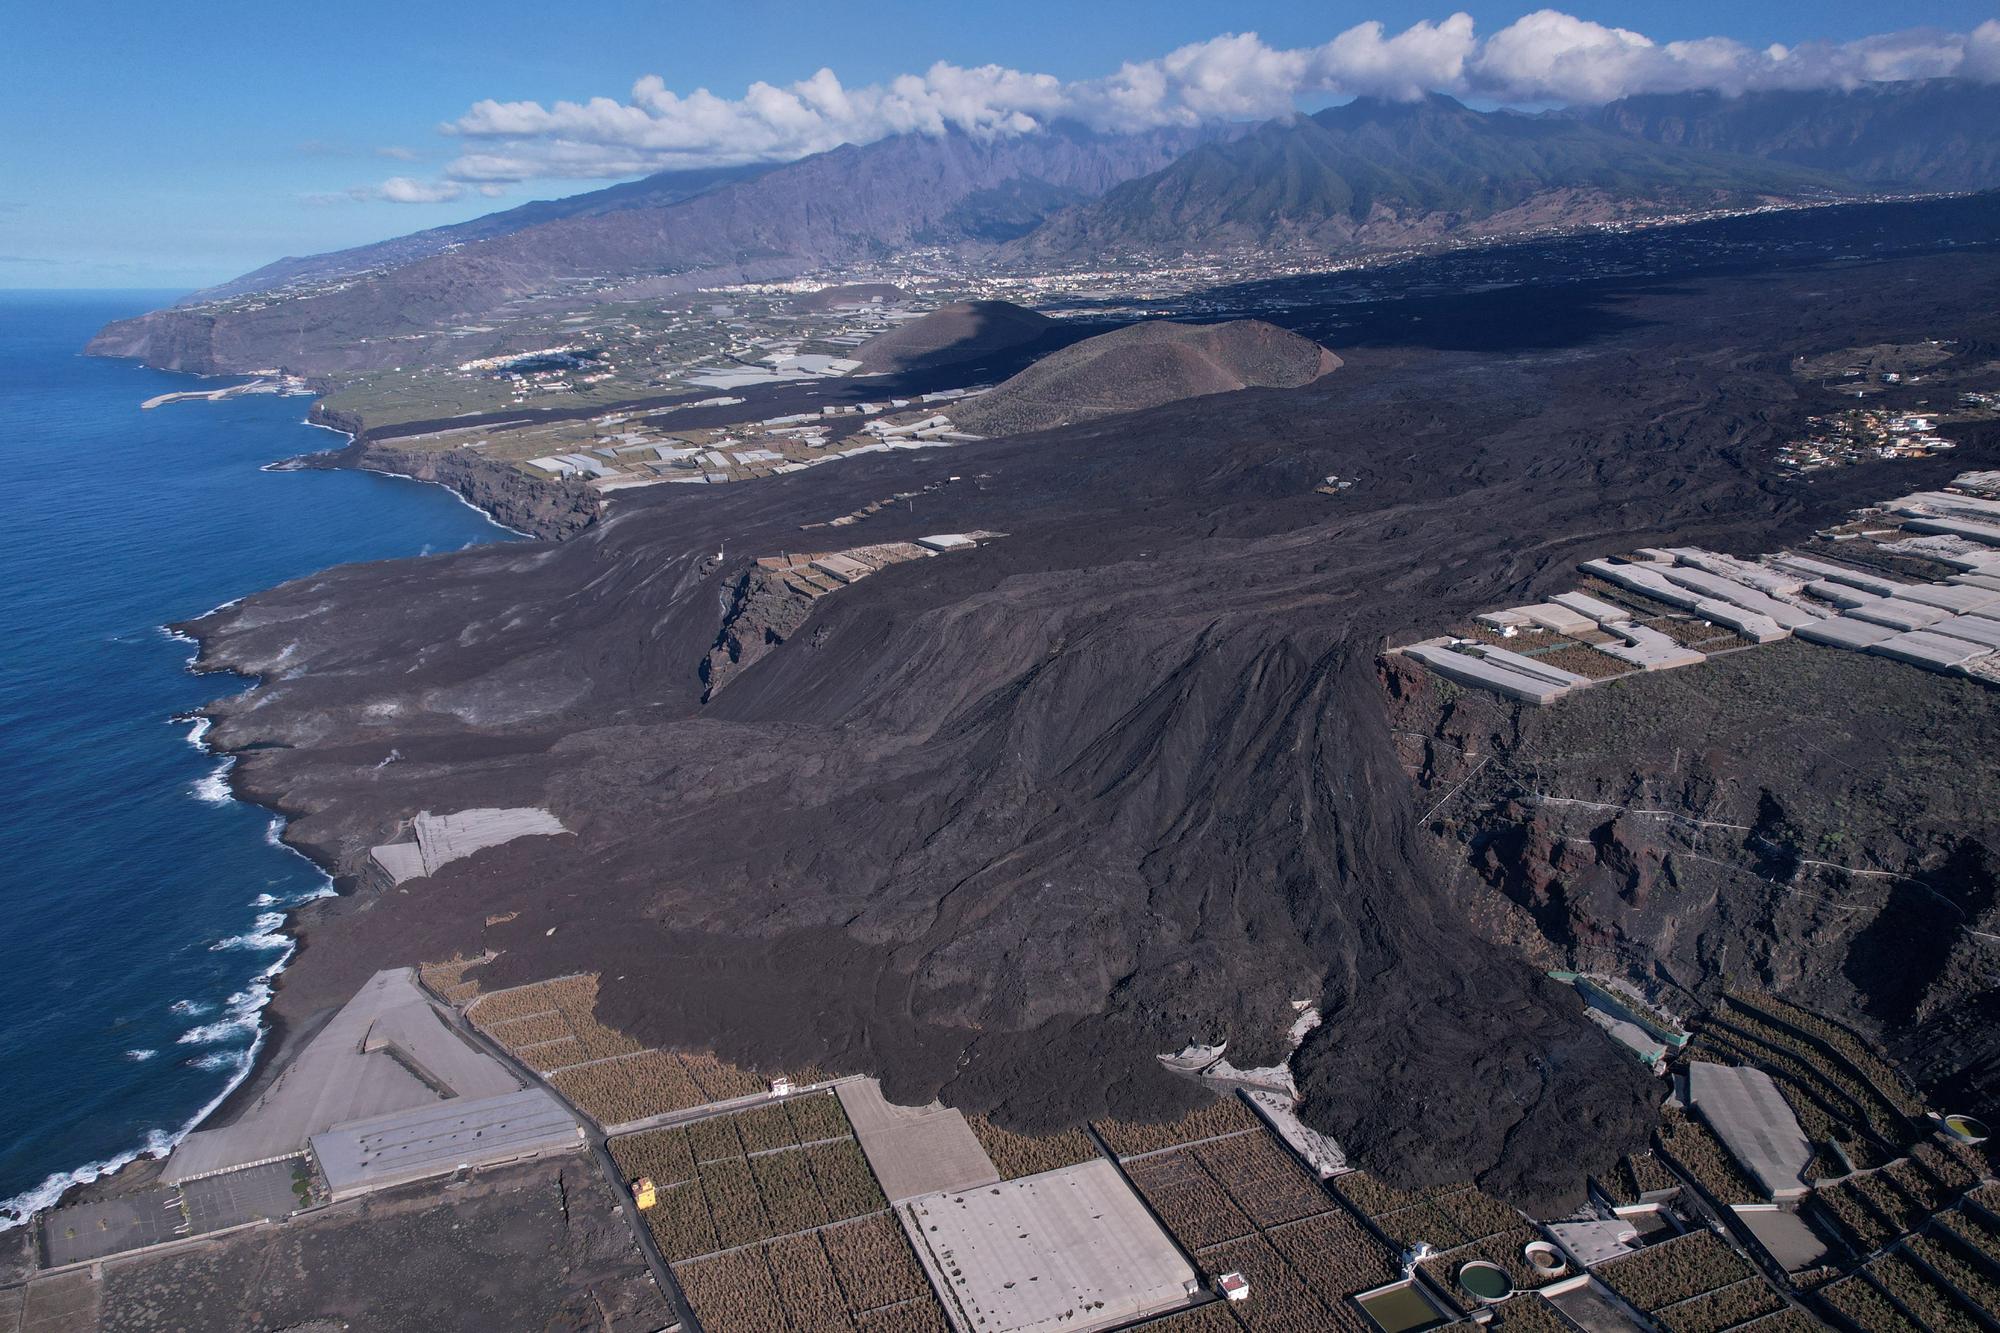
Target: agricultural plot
{"points": [[1373, 1198], [1844, 1043], [1971, 1278], [1196, 1209], [860, 1274], [1529, 1314], [1881, 1117], [1974, 1234], [1727, 1307], [1218, 1119], [783, 1237], [1866, 1308], [1016, 1155], [872, 1261], [1956, 1166], [1263, 1179], [1637, 1175], [1211, 1318], [718, 1193], [1863, 1229], [1921, 1295], [1281, 1302], [1890, 1201], [1787, 1320], [1674, 1271], [626, 1089], [448, 981], [1334, 1255], [551, 1026], [922, 1316], [732, 1293], [1699, 1152]]}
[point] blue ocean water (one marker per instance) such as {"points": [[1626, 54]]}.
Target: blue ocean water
{"points": [[138, 904]]}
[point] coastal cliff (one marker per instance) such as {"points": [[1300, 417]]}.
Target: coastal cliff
{"points": [[547, 509]]}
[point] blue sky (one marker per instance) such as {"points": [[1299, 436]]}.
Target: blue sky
{"points": [[176, 145]]}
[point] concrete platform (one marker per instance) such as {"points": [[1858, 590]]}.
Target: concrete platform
{"points": [[442, 839], [1739, 595], [156, 1216], [1784, 1236], [1933, 652], [1746, 1111], [1483, 675], [914, 1150], [386, 1050], [1752, 625], [1846, 632], [1972, 629], [436, 1140], [1955, 597], [1648, 648], [1601, 612], [1896, 614], [1071, 1250], [1534, 667]]}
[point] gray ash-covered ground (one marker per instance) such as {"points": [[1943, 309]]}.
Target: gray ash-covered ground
{"points": [[541, 1246], [1002, 825]]}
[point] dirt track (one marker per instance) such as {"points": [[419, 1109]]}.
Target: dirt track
{"points": [[1004, 824]]}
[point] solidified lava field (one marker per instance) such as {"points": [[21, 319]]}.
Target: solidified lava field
{"points": [[1000, 826]]}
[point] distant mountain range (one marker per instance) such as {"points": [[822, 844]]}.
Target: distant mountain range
{"points": [[1936, 134], [839, 207], [1374, 173], [1366, 175]]}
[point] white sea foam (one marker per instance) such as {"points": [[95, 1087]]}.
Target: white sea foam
{"points": [[247, 1003], [140, 1055], [198, 728], [263, 934], [242, 1010], [218, 1060], [214, 789], [191, 1008]]}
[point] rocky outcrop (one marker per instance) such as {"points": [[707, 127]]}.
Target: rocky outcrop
{"points": [[764, 610]]}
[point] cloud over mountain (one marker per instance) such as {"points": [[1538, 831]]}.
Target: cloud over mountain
{"points": [[1544, 57]]}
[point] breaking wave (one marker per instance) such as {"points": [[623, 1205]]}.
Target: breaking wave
{"points": [[214, 789]]}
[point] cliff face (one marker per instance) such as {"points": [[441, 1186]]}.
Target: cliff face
{"points": [[548, 509], [1720, 825]]}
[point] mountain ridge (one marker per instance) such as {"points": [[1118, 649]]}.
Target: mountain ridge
{"points": [[1372, 173]]}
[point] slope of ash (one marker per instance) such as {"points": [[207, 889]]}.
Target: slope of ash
{"points": [[1001, 825], [955, 332], [1141, 366]]}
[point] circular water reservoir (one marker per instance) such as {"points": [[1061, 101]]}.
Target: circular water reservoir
{"points": [[1544, 1257], [1485, 1281], [1967, 1129]]}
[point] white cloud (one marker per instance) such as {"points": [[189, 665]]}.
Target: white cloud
{"points": [[1543, 57], [406, 190], [398, 153]]}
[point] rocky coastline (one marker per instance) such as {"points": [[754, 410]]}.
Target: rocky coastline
{"points": [[551, 511]]}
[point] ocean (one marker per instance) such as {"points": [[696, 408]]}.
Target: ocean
{"points": [[139, 906]]}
